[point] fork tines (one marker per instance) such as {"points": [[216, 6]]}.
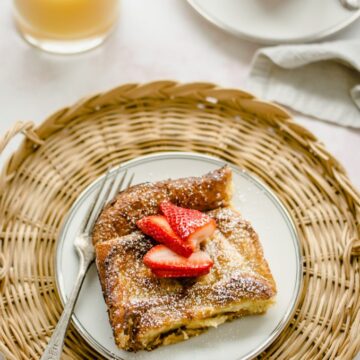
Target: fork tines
{"points": [[107, 191]]}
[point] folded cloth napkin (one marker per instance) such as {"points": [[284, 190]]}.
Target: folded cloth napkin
{"points": [[321, 80]]}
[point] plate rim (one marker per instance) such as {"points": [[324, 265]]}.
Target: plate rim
{"points": [[214, 160], [266, 41]]}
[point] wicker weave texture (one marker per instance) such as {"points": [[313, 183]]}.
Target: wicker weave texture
{"points": [[75, 145]]}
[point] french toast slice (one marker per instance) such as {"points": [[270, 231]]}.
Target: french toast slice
{"points": [[146, 311]]}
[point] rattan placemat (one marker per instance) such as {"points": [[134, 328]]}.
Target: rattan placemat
{"points": [[75, 145]]}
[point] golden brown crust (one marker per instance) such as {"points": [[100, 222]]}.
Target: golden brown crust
{"points": [[202, 193], [142, 306], [244, 237]]}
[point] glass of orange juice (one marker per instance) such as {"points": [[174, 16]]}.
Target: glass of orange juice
{"points": [[65, 26]]}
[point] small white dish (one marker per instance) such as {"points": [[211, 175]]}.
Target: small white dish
{"points": [[277, 21], [240, 339]]}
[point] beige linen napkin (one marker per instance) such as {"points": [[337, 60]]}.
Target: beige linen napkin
{"points": [[321, 80]]}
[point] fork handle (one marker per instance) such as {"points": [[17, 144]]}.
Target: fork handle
{"points": [[54, 348]]}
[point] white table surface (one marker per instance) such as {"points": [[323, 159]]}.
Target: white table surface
{"points": [[157, 39]]}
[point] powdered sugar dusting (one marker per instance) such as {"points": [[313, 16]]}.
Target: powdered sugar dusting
{"points": [[138, 300]]}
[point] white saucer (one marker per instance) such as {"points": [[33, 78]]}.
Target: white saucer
{"points": [[240, 339], [277, 21]]}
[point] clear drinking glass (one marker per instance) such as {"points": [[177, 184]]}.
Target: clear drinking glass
{"points": [[65, 26]]}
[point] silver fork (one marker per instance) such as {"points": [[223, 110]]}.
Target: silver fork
{"points": [[85, 249]]}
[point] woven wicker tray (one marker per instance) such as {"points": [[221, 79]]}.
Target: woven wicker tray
{"points": [[75, 145]]}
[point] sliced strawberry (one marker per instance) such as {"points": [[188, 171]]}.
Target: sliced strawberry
{"points": [[202, 233], [158, 228], [162, 258], [179, 273], [188, 223]]}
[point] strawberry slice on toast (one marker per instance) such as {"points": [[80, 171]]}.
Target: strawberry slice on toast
{"points": [[158, 228], [166, 263], [178, 273], [191, 225]]}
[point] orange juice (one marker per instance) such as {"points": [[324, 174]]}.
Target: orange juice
{"points": [[65, 23]]}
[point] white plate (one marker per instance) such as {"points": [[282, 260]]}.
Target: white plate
{"points": [[277, 21], [240, 339]]}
